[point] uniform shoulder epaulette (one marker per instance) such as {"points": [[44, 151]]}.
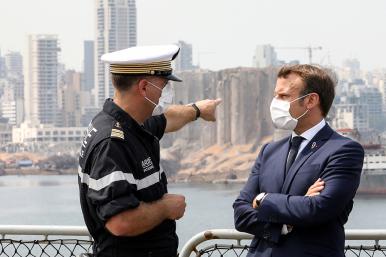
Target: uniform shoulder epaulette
{"points": [[117, 131]]}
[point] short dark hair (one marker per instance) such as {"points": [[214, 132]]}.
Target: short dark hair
{"points": [[123, 82], [316, 80]]}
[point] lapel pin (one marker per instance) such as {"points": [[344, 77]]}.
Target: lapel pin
{"points": [[313, 145]]}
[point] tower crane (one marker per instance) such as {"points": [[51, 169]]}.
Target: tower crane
{"points": [[308, 48]]}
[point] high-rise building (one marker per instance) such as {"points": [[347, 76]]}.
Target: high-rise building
{"points": [[382, 89], [5, 132], [41, 87], [265, 56], [351, 116], [373, 98], [13, 111], [15, 76], [2, 67], [70, 99], [14, 64], [360, 106], [351, 69], [88, 66], [11, 108], [116, 29], [184, 59]]}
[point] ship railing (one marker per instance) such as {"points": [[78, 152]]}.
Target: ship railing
{"points": [[230, 242], [68, 241], [44, 241]]}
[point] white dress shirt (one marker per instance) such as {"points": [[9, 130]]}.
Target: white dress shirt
{"points": [[309, 134]]}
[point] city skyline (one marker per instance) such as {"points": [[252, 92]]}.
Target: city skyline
{"points": [[215, 28]]}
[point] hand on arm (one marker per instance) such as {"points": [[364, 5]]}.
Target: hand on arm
{"points": [[313, 190], [147, 216], [177, 116], [316, 188]]}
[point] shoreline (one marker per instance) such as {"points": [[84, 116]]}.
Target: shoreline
{"points": [[381, 192], [24, 171]]}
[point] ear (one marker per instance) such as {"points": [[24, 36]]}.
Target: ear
{"points": [[313, 100], [142, 87]]}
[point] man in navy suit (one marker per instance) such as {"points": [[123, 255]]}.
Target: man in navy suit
{"points": [[300, 191]]}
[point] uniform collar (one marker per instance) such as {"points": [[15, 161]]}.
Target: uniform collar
{"points": [[119, 114], [123, 117]]}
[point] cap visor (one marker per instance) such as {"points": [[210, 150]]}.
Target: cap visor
{"points": [[174, 78]]}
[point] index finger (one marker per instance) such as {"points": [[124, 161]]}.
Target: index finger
{"points": [[218, 101]]}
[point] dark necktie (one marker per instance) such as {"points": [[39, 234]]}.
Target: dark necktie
{"points": [[295, 143]]}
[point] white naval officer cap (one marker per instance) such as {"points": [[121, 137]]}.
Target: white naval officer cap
{"points": [[144, 60]]}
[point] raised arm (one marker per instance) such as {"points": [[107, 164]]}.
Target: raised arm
{"points": [[177, 116]]}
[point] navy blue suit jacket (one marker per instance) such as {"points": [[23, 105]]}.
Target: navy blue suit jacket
{"points": [[318, 221]]}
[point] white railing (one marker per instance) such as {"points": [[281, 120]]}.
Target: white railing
{"points": [[192, 245], [44, 231], [49, 241], [203, 239]]}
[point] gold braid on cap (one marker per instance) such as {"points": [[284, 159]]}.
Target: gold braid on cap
{"points": [[154, 68]]}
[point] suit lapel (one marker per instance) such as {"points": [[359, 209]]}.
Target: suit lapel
{"points": [[315, 143]]}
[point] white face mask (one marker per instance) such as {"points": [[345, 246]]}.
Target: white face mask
{"points": [[166, 98], [281, 116]]}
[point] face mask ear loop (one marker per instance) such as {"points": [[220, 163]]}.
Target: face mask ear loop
{"points": [[150, 101], [305, 111], [303, 114], [154, 85], [300, 97]]}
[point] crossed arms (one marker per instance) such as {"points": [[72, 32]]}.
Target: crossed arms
{"points": [[341, 176]]}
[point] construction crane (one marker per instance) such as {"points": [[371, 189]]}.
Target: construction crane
{"points": [[308, 48]]}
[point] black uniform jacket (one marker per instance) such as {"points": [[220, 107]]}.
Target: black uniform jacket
{"points": [[119, 168]]}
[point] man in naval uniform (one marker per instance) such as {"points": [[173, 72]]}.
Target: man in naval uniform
{"points": [[123, 189]]}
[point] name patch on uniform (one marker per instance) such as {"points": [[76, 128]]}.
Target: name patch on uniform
{"points": [[147, 164], [89, 133]]}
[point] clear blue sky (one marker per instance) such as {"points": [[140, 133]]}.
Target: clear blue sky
{"points": [[224, 31]]}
